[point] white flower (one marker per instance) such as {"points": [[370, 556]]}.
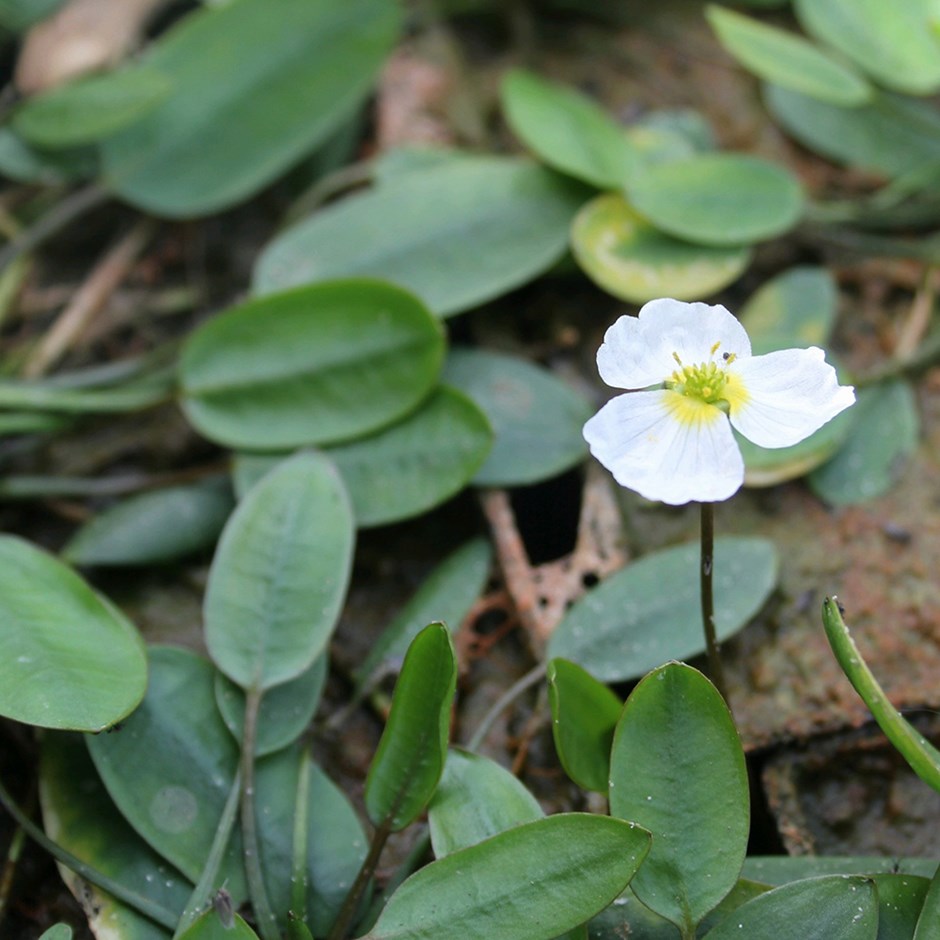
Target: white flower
{"points": [[673, 441]]}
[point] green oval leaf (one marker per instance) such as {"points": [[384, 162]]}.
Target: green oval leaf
{"points": [[335, 841], [445, 596], [796, 308], [57, 932], [928, 924], [210, 926], [68, 657], [835, 907], [900, 901], [410, 757], [786, 59], [18, 15], [718, 198], [893, 135], [475, 799], [465, 232], [584, 715], [890, 41], [533, 882], [323, 363], [677, 768], [537, 419], [650, 611], [884, 432], [84, 111], [285, 710], [79, 815], [780, 869], [765, 466], [567, 130], [279, 576], [629, 258], [922, 756], [252, 94], [170, 767], [26, 164], [153, 527], [435, 453]]}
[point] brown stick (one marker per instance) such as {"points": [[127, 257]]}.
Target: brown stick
{"points": [[89, 300], [84, 36]]}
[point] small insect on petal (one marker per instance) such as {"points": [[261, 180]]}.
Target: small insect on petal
{"points": [[222, 902]]}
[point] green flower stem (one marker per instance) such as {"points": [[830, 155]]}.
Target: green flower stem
{"points": [[532, 677], [715, 669], [150, 909], [14, 849], [298, 902], [923, 757], [202, 894], [412, 862], [348, 910], [264, 916]]}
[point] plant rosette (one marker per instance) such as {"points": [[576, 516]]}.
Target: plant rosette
{"points": [[692, 378]]}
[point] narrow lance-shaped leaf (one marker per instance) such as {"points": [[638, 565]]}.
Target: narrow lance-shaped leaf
{"points": [[677, 768], [584, 715], [410, 758], [533, 882], [923, 757], [279, 575]]}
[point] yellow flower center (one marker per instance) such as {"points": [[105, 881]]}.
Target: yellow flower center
{"points": [[708, 382]]}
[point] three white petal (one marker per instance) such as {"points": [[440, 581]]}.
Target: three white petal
{"points": [[641, 438]]}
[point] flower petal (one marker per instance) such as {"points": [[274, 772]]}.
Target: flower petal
{"points": [[664, 452], [789, 394], [637, 352]]}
